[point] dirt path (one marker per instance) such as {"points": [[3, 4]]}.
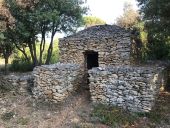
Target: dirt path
{"points": [[71, 113], [22, 111]]}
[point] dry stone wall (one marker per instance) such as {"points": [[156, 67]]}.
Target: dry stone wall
{"points": [[132, 88], [114, 82], [56, 82], [110, 51], [112, 43], [20, 82]]}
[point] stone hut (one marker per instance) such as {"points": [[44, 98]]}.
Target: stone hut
{"points": [[99, 57], [97, 46]]}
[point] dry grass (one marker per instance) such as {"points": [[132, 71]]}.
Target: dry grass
{"points": [[20, 110], [159, 117]]}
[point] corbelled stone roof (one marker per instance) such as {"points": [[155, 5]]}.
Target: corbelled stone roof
{"points": [[100, 31]]}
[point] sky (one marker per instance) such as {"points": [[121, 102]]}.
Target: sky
{"points": [[108, 10]]}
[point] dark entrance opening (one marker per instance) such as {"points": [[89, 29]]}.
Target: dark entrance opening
{"points": [[91, 59]]}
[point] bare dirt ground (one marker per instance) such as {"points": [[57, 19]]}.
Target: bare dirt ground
{"points": [[22, 111]]}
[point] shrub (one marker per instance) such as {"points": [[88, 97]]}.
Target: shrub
{"points": [[7, 116], [4, 89], [21, 65], [54, 57], [113, 116], [55, 54], [116, 117], [23, 121]]}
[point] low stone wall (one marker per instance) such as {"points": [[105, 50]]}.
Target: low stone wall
{"points": [[133, 88], [56, 82], [14, 81]]}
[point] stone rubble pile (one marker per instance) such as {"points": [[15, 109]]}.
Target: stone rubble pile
{"points": [[132, 88], [56, 82]]}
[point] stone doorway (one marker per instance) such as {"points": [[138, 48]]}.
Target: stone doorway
{"points": [[91, 59]]}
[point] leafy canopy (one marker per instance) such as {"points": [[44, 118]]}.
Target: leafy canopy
{"points": [[129, 18], [157, 22], [41, 17], [157, 16], [92, 20]]}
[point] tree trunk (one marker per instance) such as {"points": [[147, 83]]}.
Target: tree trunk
{"points": [[35, 54], [50, 49], [42, 47], [23, 52], [26, 56], [6, 64], [34, 60], [31, 52]]}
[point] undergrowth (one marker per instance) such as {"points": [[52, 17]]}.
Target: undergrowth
{"points": [[7, 116], [117, 117], [113, 116]]}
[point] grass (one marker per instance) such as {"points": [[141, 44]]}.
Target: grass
{"points": [[85, 125], [5, 88], [113, 116], [23, 121], [17, 61], [7, 116], [116, 117], [21, 65], [161, 111]]}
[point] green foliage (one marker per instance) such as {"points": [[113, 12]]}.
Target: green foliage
{"points": [[21, 65], [153, 116], [113, 116], [7, 116], [54, 57], [55, 54], [41, 18], [92, 20], [157, 23], [140, 36], [6, 48], [157, 17], [2, 37], [159, 50], [152, 48], [23, 121], [116, 117], [5, 88], [131, 20]]}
